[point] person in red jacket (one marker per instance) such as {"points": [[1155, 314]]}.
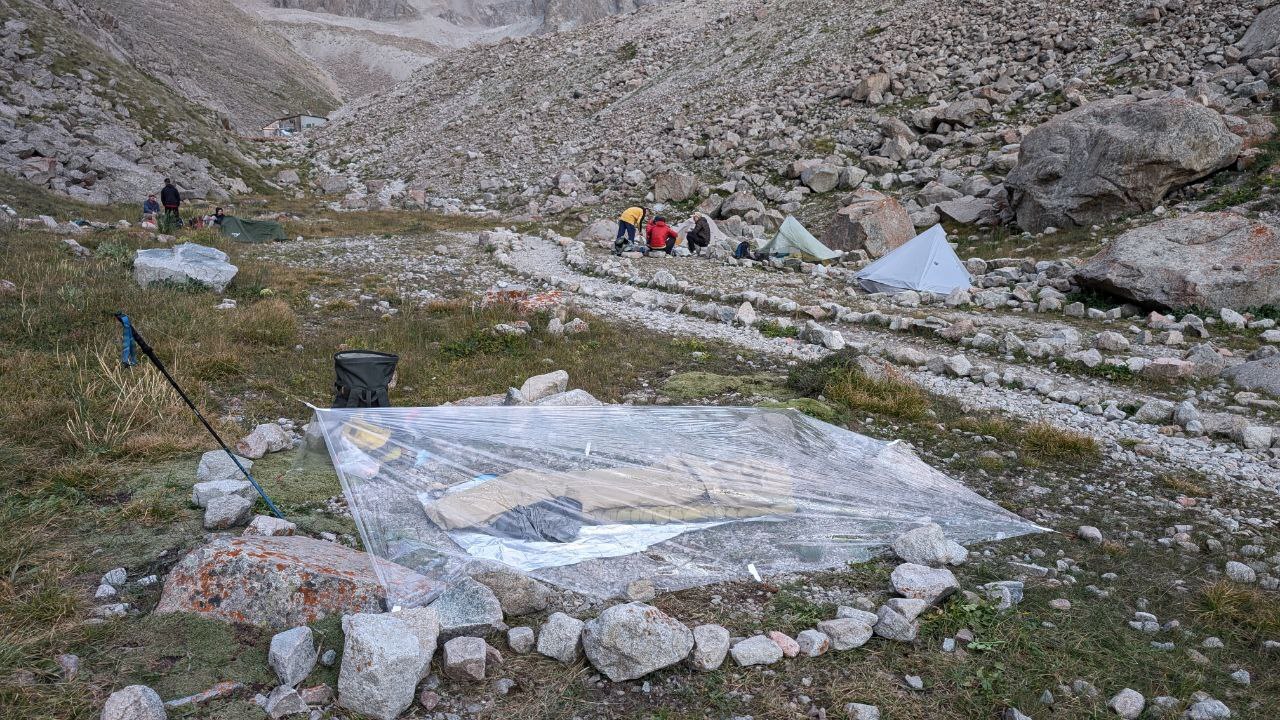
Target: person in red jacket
{"points": [[661, 236]]}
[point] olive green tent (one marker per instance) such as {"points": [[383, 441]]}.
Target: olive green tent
{"points": [[793, 239], [252, 231]]}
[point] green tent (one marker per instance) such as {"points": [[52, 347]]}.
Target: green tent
{"points": [[793, 239], [252, 231]]}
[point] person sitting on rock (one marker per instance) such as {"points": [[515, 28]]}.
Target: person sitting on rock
{"points": [[172, 200], [150, 206], [699, 236], [628, 222], [660, 236]]}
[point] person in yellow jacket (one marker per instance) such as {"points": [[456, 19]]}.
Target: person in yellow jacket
{"points": [[628, 222]]}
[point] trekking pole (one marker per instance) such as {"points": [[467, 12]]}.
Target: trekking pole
{"points": [[131, 335]]}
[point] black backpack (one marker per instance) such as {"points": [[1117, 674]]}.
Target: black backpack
{"points": [[361, 378]]}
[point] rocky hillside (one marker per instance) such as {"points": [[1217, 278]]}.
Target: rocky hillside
{"points": [[82, 122], [371, 45], [730, 94], [215, 55]]}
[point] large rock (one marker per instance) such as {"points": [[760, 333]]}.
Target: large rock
{"points": [[740, 203], [1263, 34], [871, 221], [467, 608], [184, 264], [673, 185], [135, 702], [1113, 158], [282, 582], [1209, 260], [424, 623], [1261, 375], [630, 641], [381, 661], [598, 231]]}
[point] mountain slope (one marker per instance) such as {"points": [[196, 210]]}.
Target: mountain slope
{"points": [[216, 55], [77, 119], [736, 90]]}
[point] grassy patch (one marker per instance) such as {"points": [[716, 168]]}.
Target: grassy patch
{"points": [[701, 385], [890, 395], [809, 406], [1241, 613], [772, 329]]}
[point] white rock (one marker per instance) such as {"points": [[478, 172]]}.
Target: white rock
{"points": [[925, 583], [202, 493], [464, 659], [216, 465], [227, 511], [630, 641], [928, 545], [1241, 573], [756, 650], [265, 438], [1127, 703]]}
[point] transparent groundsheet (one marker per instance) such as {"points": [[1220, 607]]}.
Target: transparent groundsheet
{"points": [[593, 498]]}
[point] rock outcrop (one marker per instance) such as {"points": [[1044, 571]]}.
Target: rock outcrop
{"points": [[1113, 158], [1203, 260], [870, 221], [281, 582]]}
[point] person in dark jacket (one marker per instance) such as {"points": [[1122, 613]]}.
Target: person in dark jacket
{"points": [[218, 216], [171, 199], [699, 236], [150, 206], [661, 236]]}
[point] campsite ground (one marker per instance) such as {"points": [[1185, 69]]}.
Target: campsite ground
{"points": [[100, 461]]}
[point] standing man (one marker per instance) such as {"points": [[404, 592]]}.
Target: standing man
{"points": [[628, 222], [172, 200]]}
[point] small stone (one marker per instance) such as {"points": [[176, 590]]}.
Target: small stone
{"points": [[915, 682], [135, 702], [464, 659], [292, 655], [227, 511], [328, 658], [561, 638], [521, 640], [283, 702], [788, 646], [813, 643], [1127, 703], [1060, 604], [1208, 709], [428, 699], [756, 650], [848, 633], [859, 711], [1241, 677], [70, 666], [1089, 533], [928, 545], [1241, 573], [924, 583], [116, 578], [710, 646], [269, 526]]}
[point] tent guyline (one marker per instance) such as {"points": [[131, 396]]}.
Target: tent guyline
{"points": [[129, 359]]}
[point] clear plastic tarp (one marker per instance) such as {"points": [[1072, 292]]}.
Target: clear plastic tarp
{"points": [[594, 498]]}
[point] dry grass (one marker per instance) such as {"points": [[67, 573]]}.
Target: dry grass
{"points": [[268, 322], [1055, 443], [891, 395], [1244, 614]]}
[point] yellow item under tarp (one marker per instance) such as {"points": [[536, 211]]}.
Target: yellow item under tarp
{"points": [[673, 489], [374, 440]]}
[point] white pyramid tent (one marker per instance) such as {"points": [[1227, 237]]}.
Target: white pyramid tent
{"points": [[925, 262]]}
